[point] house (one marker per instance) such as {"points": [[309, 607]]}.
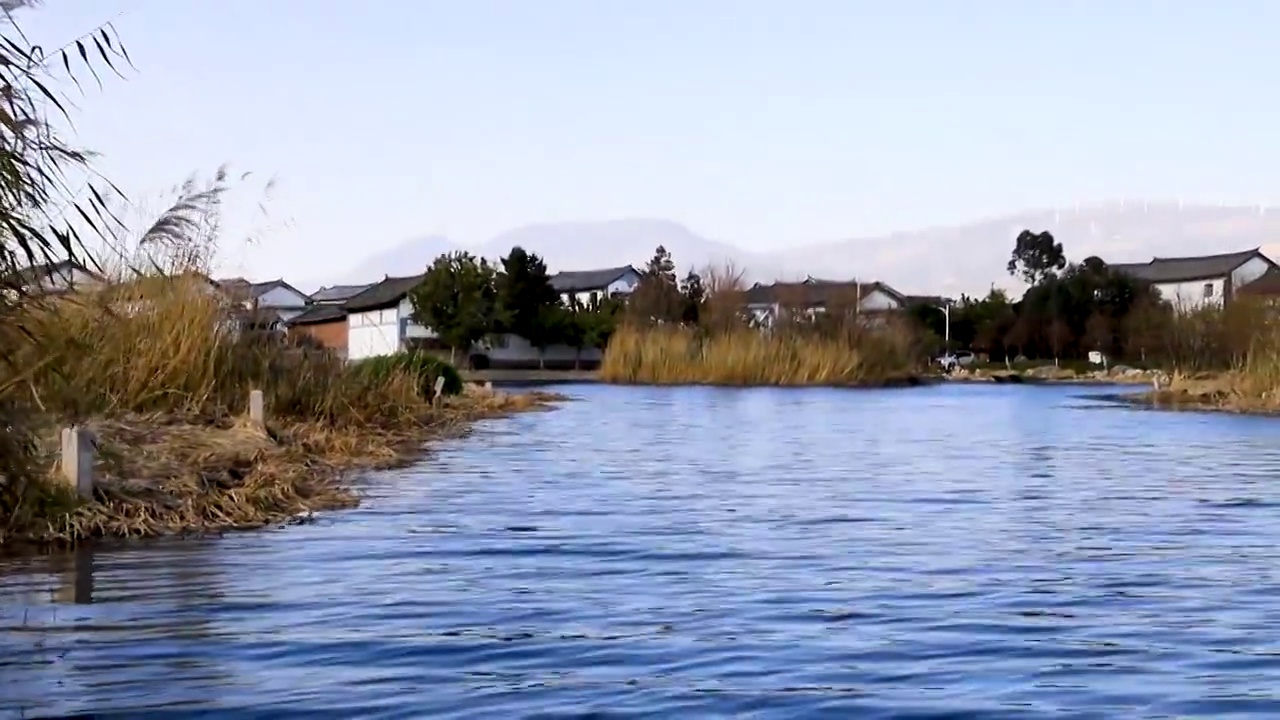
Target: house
{"points": [[1206, 280], [56, 278], [336, 294], [588, 287], [276, 298], [378, 318], [814, 295], [324, 323]]}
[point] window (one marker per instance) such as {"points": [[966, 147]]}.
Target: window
{"points": [[594, 299], [1208, 290]]}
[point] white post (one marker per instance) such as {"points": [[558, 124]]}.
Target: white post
{"points": [[946, 310], [439, 388], [257, 408], [78, 456]]}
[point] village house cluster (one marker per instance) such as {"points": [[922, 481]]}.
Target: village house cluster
{"points": [[363, 321]]}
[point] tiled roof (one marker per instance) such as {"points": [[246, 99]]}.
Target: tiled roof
{"points": [[61, 268], [338, 293], [387, 293], [241, 288], [317, 314], [817, 293], [1187, 269], [583, 280]]}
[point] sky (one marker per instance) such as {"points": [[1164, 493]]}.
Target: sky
{"points": [[762, 123]]}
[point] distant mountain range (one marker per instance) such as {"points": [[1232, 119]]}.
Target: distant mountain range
{"points": [[941, 260]]}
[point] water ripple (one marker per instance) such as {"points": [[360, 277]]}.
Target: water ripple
{"points": [[947, 552]]}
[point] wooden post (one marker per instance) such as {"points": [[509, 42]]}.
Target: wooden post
{"points": [[439, 395], [257, 408], [78, 456]]}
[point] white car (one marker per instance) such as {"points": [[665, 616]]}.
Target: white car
{"points": [[960, 358]]}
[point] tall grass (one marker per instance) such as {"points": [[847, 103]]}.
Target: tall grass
{"points": [[726, 348], [157, 364]]}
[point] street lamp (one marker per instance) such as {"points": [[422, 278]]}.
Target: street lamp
{"points": [[946, 311]]}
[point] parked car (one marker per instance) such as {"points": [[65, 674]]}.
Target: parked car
{"points": [[951, 361]]}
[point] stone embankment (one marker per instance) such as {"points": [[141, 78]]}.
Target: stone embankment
{"points": [[1118, 374]]}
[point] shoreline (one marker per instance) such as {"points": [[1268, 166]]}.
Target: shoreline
{"points": [[167, 475]]}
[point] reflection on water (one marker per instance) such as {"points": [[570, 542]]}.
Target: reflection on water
{"points": [[935, 552]]}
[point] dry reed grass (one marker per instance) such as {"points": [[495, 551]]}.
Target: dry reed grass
{"points": [[1232, 361], [727, 347], [746, 356], [155, 369]]}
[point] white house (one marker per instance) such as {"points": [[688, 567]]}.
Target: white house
{"points": [[57, 278], [587, 287], [813, 295], [1207, 280], [378, 319], [274, 300]]}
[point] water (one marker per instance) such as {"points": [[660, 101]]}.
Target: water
{"points": [[946, 552]]}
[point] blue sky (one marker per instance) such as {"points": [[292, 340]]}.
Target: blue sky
{"points": [[762, 123]]}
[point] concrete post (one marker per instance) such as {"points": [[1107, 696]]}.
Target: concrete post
{"points": [[439, 394], [257, 408], [78, 455]]}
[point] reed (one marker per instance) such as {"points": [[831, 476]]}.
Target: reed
{"points": [[156, 370]]}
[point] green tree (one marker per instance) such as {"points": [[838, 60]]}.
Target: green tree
{"points": [[458, 299], [1035, 257], [694, 294], [530, 305], [657, 296]]}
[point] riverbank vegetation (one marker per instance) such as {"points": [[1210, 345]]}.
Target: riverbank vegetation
{"points": [[1209, 355], [699, 331], [157, 363], [469, 301]]}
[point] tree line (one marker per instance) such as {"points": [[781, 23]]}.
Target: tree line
{"points": [[465, 299], [1073, 308]]}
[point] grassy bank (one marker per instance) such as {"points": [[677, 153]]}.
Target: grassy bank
{"points": [[744, 356], [154, 369]]}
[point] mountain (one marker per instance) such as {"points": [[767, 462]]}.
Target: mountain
{"points": [[941, 260], [969, 258], [407, 258], [584, 245]]}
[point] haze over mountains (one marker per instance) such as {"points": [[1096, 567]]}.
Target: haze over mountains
{"points": [[943, 260]]}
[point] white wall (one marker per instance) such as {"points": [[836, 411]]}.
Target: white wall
{"points": [[279, 297], [1191, 295], [382, 332], [878, 300], [412, 329], [515, 349], [373, 333], [1253, 269]]}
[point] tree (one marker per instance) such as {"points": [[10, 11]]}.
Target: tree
{"points": [[694, 295], [1035, 257], [657, 296], [458, 299], [530, 305]]}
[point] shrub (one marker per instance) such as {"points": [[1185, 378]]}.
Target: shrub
{"points": [[421, 366]]}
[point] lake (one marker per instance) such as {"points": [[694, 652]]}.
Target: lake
{"points": [[938, 552]]}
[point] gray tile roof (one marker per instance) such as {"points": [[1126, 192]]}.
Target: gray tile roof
{"points": [[244, 289], [317, 314], [1187, 269], [387, 293], [584, 280], [814, 292], [52, 270], [338, 293]]}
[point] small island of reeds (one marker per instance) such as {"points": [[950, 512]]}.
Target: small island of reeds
{"points": [[726, 334]]}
